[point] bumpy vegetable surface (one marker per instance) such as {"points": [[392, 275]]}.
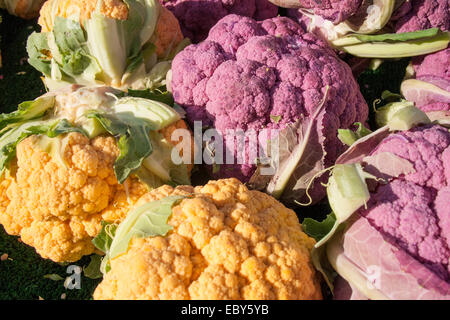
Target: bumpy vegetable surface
{"points": [[227, 242], [26, 9], [335, 11], [198, 17], [399, 239], [416, 15], [429, 88], [252, 75], [56, 190]]}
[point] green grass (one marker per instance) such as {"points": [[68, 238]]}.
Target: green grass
{"points": [[20, 81]]}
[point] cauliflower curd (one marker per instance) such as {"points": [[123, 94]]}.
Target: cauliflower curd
{"points": [[54, 195], [57, 210], [227, 242]]}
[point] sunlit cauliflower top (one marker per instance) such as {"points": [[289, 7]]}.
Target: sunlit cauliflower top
{"points": [[59, 210], [252, 75], [167, 33], [227, 242]]}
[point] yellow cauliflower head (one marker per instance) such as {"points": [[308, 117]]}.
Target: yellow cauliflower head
{"points": [[227, 242], [58, 209]]}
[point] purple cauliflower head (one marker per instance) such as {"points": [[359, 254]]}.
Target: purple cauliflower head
{"points": [[403, 234], [434, 68], [252, 75], [416, 15], [430, 90], [197, 17], [410, 209], [335, 11]]}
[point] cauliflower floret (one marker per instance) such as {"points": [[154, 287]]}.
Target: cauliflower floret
{"points": [[227, 242], [58, 208], [249, 75], [434, 68], [424, 14], [411, 209]]}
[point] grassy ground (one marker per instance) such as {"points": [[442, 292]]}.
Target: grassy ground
{"points": [[22, 273]]}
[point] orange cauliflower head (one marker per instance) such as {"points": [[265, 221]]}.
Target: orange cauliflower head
{"points": [[227, 242], [56, 203]]}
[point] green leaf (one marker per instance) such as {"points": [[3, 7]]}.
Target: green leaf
{"points": [[131, 121], [27, 110], [161, 95], [148, 220], [390, 96], [319, 229], [53, 277], [275, 119], [92, 270], [55, 128], [148, 178], [300, 155], [70, 39], [404, 36], [348, 137], [160, 162], [362, 131], [104, 239], [399, 48], [38, 49], [133, 143]]}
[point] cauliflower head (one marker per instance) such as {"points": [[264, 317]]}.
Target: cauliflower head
{"points": [[124, 44], [59, 210], [413, 210], [401, 230], [423, 14], [253, 75], [429, 87], [434, 67], [227, 242], [56, 197], [26, 9], [198, 17]]}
